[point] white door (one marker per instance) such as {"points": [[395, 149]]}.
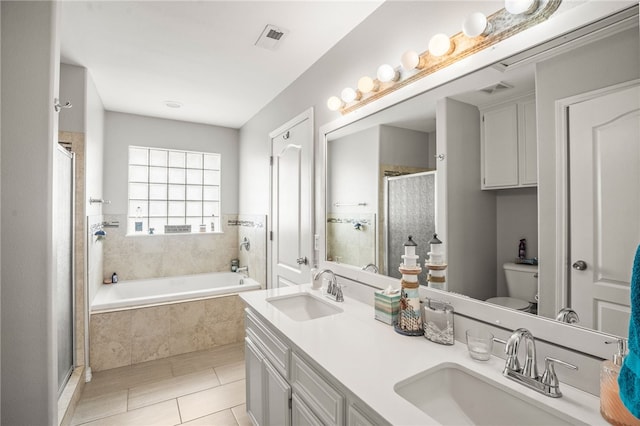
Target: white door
{"points": [[292, 201], [604, 157]]}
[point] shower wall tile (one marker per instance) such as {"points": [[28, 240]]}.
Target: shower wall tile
{"points": [[254, 228], [145, 256], [137, 335], [347, 245]]}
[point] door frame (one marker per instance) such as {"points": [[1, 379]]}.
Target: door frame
{"points": [[305, 115], [562, 260]]}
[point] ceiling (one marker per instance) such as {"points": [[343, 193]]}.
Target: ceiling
{"points": [[200, 54]]}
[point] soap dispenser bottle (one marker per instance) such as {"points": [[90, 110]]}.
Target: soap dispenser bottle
{"points": [[611, 407]]}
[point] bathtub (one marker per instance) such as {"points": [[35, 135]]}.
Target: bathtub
{"points": [[138, 293]]}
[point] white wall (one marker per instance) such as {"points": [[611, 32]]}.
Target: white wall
{"points": [[517, 217], [94, 145], [72, 89], [30, 64], [122, 130], [406, 147], [353, 175], [597, 65]]}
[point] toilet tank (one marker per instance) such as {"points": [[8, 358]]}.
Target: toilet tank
{"points": [[522, 281]]}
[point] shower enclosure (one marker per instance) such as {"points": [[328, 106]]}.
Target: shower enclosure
{"points": [[409, 210], [63, 234]]}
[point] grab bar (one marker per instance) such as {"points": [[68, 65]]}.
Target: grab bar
{"points": [[337, 204]]}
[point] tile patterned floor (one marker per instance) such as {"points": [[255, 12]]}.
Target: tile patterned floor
{"points": [[204, 388]]}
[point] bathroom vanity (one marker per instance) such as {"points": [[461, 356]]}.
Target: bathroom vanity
{"points": [[311, 360]]}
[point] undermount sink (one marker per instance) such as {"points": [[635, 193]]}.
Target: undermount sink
{"points": [[303, 306], [454, 395]]}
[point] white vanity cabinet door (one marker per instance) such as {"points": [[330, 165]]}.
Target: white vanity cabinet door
{"points": [[356, 417], [301, 415], [528, 143], [318, 394], [277, 395], [500, 147], [254, 382]]}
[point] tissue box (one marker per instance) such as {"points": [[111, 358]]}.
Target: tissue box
{"points": [[386, 307]]}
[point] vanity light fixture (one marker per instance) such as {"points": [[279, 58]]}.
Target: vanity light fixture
{"points": [[440, 45], [476, 25], [366, 85], [349, 95], [410, 60], [334, 103], [518, 7], [478, 33], [387, 73]]}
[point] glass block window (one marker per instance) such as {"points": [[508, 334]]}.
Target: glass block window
{"points": [[173, 191]]}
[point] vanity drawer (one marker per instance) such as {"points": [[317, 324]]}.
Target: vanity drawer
{"points": [[321, 397], [275, 350]]}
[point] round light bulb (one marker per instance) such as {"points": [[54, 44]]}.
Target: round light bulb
{"points": [[439, 45], [366, 84], [334, 103], [349, 95], [476, 24], [386, 73], [410, 60], [517, 7]]}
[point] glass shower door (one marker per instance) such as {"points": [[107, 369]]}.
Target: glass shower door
{"points": [[63, 236]]}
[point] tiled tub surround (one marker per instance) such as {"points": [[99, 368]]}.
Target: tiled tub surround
{"points": [[346, 243], [132, 336], [254, 228], [152, 256]]}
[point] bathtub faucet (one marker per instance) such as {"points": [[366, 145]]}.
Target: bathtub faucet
{"points": [[243, 270]]}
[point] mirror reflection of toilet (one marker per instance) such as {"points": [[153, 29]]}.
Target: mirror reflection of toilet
{"points": [[522, 287]]}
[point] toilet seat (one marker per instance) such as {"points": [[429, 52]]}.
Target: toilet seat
{"points": [[510, 302]]}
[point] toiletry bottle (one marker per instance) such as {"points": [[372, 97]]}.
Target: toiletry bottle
{"points": [[114, 278], [522, 249], [611, 407]]}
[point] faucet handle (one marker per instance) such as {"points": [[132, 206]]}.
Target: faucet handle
{"points": [[549, 377]]}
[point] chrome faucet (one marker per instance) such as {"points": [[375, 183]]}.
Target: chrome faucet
{"points": [[371, 266], [529, 368], [243, 270], [333, 289], [547, 383], [245, 243]]}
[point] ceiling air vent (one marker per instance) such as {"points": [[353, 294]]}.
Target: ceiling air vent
{"points": [[271, 37], [495, 88]]}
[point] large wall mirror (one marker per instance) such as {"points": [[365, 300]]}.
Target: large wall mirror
{"points": [[492, 158]]}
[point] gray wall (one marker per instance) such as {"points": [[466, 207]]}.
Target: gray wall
{"points": [[122, 130], [72, 89], [597, 65], [516, 218], [30, 65], [407, 147], [353, 175], [469, 228]]}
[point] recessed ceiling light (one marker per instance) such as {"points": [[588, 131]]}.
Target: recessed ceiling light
{"points": [[173, 104]]}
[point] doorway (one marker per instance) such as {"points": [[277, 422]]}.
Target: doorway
{"points": [[291, 224], [604, 204]]}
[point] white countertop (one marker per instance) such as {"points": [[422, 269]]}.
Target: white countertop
{"points": [[368, 357]]}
